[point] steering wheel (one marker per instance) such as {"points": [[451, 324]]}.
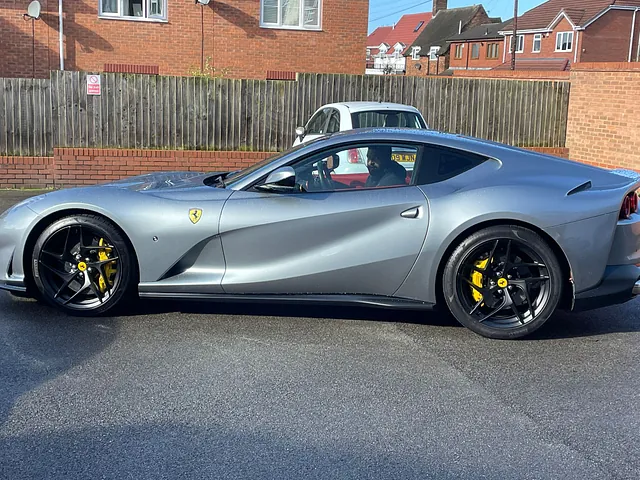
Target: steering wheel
{"points": [[325, 177]]}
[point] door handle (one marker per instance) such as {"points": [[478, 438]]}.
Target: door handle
{"points": [[411, 213]]}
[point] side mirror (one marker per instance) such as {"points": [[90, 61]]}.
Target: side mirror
{"points": [[301, 132], [282, 179]]}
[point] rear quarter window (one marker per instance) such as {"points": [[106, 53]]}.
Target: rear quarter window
{"points": [[441, 163]]}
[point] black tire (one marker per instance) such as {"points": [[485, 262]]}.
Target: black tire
{"points": [[70, 273], [533, 277]]}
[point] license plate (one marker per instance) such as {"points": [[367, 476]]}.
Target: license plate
{"points": [[403, 157]]}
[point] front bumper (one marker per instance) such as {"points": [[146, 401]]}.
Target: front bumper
{"points": [[15, 223], [619, 284]]}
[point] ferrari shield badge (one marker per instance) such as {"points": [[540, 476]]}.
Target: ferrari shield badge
{"points": [[195, 214]]}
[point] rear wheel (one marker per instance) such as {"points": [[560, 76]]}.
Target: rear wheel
{"points": [[503, 282], [82, 265]]}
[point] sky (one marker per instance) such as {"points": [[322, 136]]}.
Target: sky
{"points": [[386, 12]]}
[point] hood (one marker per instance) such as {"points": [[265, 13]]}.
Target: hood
{"points": [[165, 180]]}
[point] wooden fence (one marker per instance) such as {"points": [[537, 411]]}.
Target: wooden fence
{"points": [[146, 111]]}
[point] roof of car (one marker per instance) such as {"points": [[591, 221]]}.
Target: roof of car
{"points": [[366, 106]]}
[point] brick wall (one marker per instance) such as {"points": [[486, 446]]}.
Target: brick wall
{"points": [[233, 39], [71, 167], [607, 39], [604, 124], [427, 67], [516, 74], [86, 166]]}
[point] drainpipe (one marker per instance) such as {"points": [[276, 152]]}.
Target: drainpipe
{"points": [[61, 36], [575, 54], [633, 29]]}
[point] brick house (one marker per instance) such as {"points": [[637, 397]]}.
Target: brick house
{"points": [[558, 33], [246, 39], [429, 54], [479, 48], [386, 46]]}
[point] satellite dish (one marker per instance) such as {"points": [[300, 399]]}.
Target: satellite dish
{"points": [[203, 2], [34, 9]]}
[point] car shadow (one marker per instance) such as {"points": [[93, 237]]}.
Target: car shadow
{"points": [[214, 450], [38, 344], [422, 317], [624, 318]]}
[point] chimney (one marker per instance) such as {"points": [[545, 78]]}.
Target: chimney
{"points": [[439, 5]]}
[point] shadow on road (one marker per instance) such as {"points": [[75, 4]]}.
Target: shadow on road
{"points": [[38, 344], [213, 451], [623, 318], [435, 318]]}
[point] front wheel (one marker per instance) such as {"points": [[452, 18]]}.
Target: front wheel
{"points": [[82, 265], [503, 282]]}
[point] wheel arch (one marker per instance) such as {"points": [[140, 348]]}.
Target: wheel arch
{"points": [[566, 300], [47, 220]]}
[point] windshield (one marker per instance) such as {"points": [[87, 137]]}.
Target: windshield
{"points": [[240, 174], [387, 118]]}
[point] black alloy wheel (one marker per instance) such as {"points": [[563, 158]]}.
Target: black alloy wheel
{"points": [[503, 282], [82, 265]]}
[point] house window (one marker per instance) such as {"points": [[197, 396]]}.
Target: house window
{"points": [[133, 9], [537, 43], [519, 46], [564, 42], [432, 53], [415, 51], [294, 14], [459, 49], [475, 51], [493, 50], [419, 25]]}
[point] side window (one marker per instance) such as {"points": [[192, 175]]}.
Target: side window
{"points": [[334, 122], [442, 163], [318, 122], [357, 166]]}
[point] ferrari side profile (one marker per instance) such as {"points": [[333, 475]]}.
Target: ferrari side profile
{"points": [[497, 236]]}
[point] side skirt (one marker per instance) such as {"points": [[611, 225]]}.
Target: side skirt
{"points": [[346, 300]]}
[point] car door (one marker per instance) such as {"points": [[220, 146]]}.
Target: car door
{"points": [[316, 126], [322, 241]]}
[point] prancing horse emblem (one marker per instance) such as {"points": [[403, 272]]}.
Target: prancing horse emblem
{"points": [[195, 214]]}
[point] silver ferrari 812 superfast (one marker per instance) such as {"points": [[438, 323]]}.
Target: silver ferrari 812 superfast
{"points": [[498, 236]]}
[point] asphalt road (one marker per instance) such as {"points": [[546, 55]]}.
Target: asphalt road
{"points": [[215, 391]]}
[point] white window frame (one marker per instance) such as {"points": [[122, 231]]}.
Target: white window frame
{"points": [[519, 50], [475, 45], [300, 26], [415, 53], [536, 38], [559, 39], [432, 52], [146, 8], [455, 53]]}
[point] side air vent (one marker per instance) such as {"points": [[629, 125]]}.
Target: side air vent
{"points": [[580, 188]]}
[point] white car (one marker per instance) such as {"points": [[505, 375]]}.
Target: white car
{"points": [[338, 117]]}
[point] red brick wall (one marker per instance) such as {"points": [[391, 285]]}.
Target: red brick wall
{"points": [[232, 37], [604, 125], [607, 39], [516, 74], [86, 166], [482, 61], [427, 67], [71, 167]]}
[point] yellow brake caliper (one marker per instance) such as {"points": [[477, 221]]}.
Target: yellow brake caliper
{"points": [[109, 268], [476, 279]]}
